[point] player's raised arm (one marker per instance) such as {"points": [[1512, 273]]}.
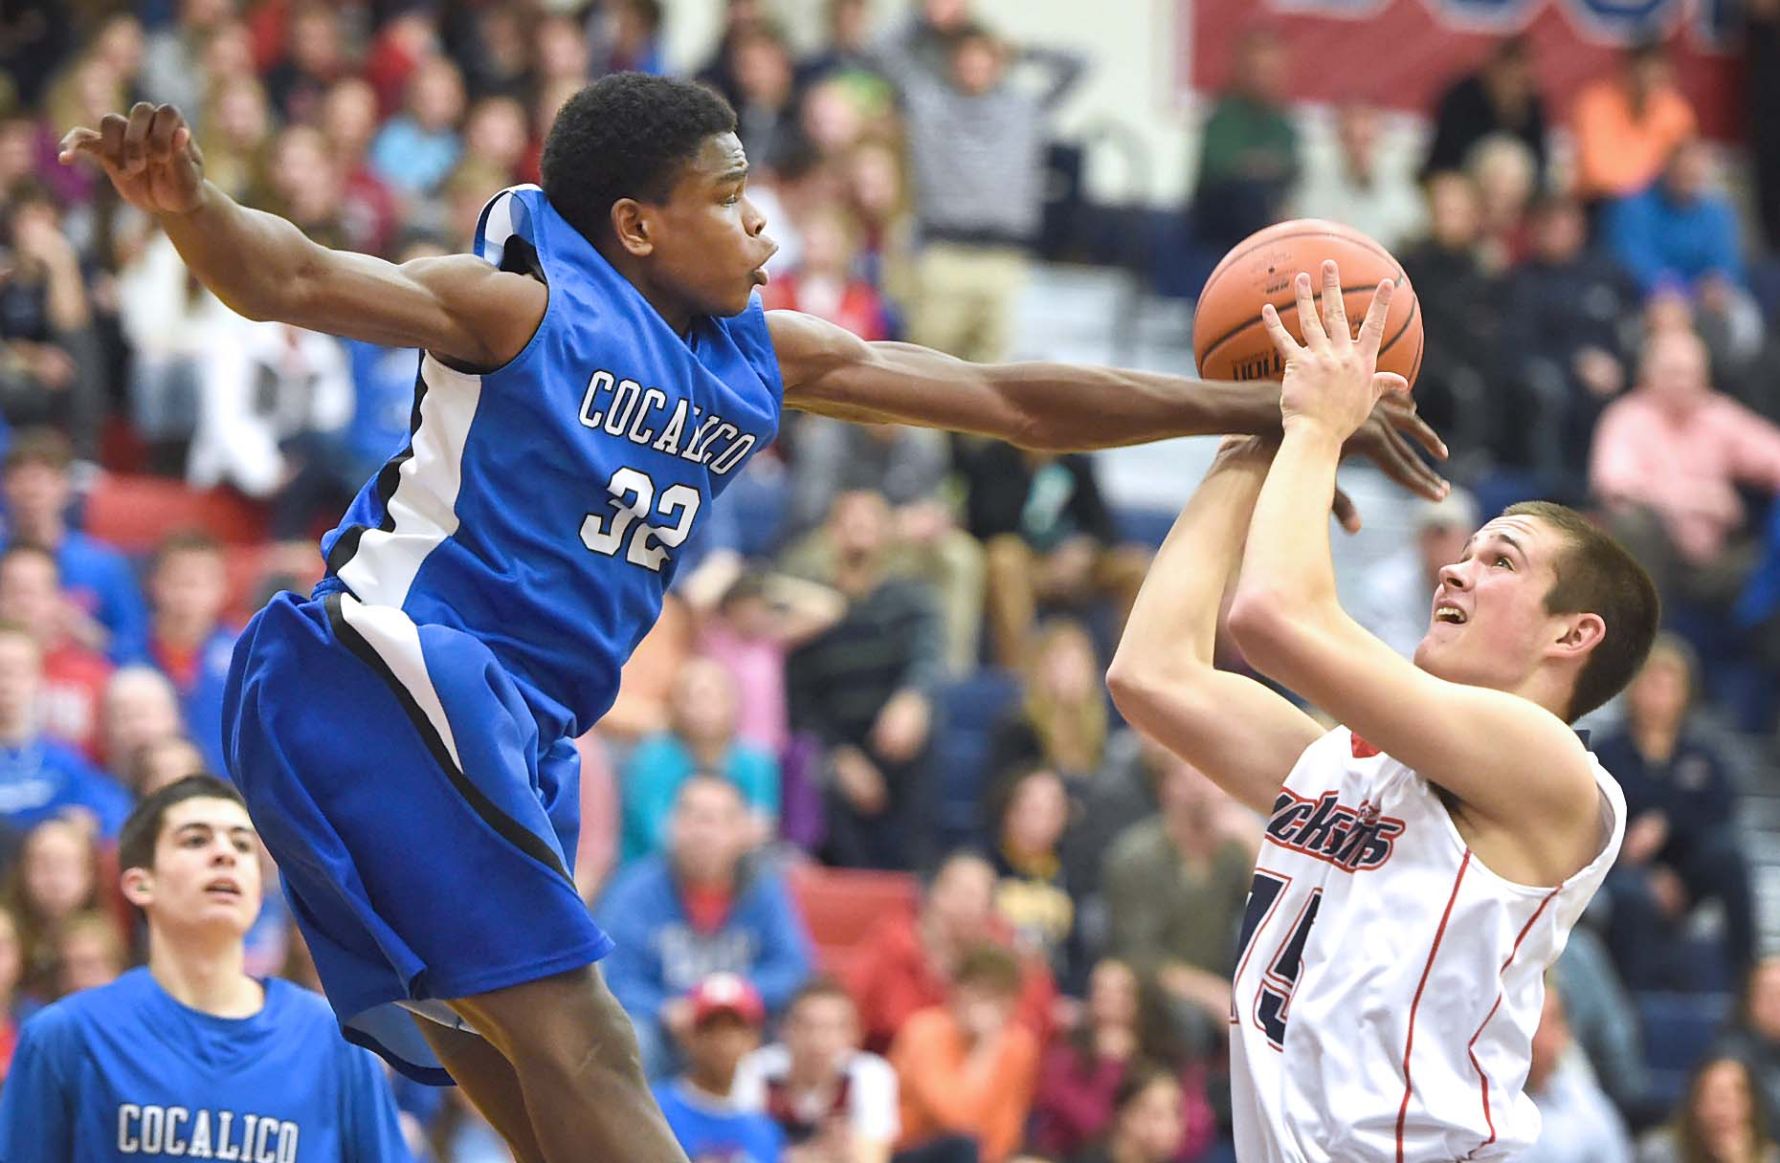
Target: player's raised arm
{"points": [[263, 267], [1493, 731], [1051, 406], [1242, 735]]}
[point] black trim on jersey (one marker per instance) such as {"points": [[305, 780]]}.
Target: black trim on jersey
{"points": [[346, 546], [512, 830]]}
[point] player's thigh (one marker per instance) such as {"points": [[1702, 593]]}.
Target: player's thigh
{"points": [[488, 1080], [570, 1018]]}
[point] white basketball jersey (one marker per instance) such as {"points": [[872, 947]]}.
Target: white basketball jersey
{"points": [[1389, 984]]}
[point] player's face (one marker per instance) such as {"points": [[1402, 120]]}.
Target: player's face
{"points": [[206, 872], [1489, 624], [710, 242]]}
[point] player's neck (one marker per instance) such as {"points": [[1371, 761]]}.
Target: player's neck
{"points": [[209, 976], [677, 315]]}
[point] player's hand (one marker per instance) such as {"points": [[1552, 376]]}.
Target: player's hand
{"points": [[150, 156], [1331, 379]]}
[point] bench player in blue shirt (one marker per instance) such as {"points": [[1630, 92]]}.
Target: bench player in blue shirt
{"points": [[190, 1056], [594, 375]]}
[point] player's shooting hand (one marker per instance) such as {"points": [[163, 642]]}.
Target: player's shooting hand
{"points": [[1331, 379], [149, 155]]}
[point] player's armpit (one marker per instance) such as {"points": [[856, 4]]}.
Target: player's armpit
{"points": [[1505, 757]]}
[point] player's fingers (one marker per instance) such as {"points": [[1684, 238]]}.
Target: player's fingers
{"points": [[1372, 330], [1389, 384], [136, 137], [1283, 342], [1400, 410], [165, 122], [1346, 512], [77, 141], [1308, 324], [111, 138], [1334, 305], [1402, 465]]}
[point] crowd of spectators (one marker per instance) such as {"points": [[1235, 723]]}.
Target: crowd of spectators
{"points": [[883, 654]]}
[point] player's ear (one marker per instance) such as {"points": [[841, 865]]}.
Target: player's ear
{"points": [[138, 886], [1582, 633], [630, 224]]}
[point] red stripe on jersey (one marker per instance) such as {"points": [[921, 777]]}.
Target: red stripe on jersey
{"points": [[1409, 1039], [1470, 1051]]}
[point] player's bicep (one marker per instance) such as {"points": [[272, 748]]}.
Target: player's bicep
{"points": [[1243, 736], [456, 306]]}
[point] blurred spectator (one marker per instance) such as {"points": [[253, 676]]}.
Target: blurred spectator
{"points": [[738, 15], [496, 56], [37, 38], [1604, 1022], [701, 740], [1503, 171], [1120, 794], [1754, 1032], [702, 907], [1394, 599], [1565, 308], [908, 963], [415, 150], [1049, 536], [725, 1018], [235, 132], [1627, 125], [1033, 893], [834, 1102], [408, 37], [50, 368], [977, 155], [73, 677], [926, 42], [56, 878], [188, 586], [1577, 1124], [910, 467], [1061, 720], [12, 971], [759, 618], [305, 184], [876, 191], [1681, 847], [628, 38], [1721, 1119], [1248, 148], [40, 778], [1120, 1040], [846, 54], [369, 214], [765, 96], [560, 51], [1351, 184], [1502, 96], [966, 1070], [1668, 460], [1681, 230], [825, 283], [1761, 92], [171, 323], [864, 690], [1459, 301], [172, 56], [1175, 886], [496, 135], [89, 953], [140, 708], [641, 707], [1148, 1123], [162, 762], [832, 117], [315, 58]]}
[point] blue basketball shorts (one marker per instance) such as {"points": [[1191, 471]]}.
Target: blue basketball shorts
{"points": [[424, 831]]}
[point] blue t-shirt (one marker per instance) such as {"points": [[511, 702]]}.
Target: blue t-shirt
{"points": [[661, 763], [101, 581], [201, 693], [41, 779], [124, 1071], [712, 1131]]}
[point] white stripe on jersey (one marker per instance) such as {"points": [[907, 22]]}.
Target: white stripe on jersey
{"points": [[1385, 1004], [397, 642], [422, 507]]}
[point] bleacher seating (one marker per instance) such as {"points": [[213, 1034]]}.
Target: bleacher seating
{"points": [[1678, 1030], [968, 711], [840, 906], [134, 513]]}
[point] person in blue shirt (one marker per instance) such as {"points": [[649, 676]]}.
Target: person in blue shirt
{"points": [[1679, 231], [189, 1056], [39, 777], [106, 612], [188, 586], [726, 1016], [593, 378], [702, 906]]}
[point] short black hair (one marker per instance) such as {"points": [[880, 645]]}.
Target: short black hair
{"points": [[142, 831], [626, 136]]}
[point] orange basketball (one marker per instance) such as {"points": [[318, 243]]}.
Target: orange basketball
{"points": [[1229, 340]]}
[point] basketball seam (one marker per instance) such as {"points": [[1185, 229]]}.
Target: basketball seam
{"points": [[1345, 291], [1356, 238]]}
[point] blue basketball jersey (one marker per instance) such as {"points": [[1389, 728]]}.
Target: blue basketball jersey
{"points": [[540, 507]]}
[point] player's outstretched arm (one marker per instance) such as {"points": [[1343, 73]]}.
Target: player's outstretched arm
{"points": [[1051, 406], [263, 267], [1242, 735], [1501, 755]]}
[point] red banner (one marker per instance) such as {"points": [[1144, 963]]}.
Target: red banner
{"points": [[1404, 53]]}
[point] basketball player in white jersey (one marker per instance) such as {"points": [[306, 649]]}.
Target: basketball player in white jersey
{"points": [[1424, 862]]}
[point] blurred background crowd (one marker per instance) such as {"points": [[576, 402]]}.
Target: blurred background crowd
{"points": [[887, 874]]}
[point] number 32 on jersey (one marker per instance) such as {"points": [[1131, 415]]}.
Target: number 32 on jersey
{"points": [[633, 503]]}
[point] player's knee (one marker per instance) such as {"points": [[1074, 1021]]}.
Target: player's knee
{"points": [[568, 1024]]}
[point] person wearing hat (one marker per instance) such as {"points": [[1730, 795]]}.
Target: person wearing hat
{"points": [[727, 1015], [1396, 592]]}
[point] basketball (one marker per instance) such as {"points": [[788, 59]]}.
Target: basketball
{"points": [[1229, 340]]}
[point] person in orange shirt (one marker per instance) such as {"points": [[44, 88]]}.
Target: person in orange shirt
{"points": [[966, 1069], [1627, 125]]}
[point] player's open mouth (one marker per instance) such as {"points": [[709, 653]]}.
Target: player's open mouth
{"points": [[1449, 614], [223, 888]]}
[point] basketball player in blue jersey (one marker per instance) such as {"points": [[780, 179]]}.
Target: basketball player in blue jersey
{"points": [[189, 1055], [594, 375]]}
